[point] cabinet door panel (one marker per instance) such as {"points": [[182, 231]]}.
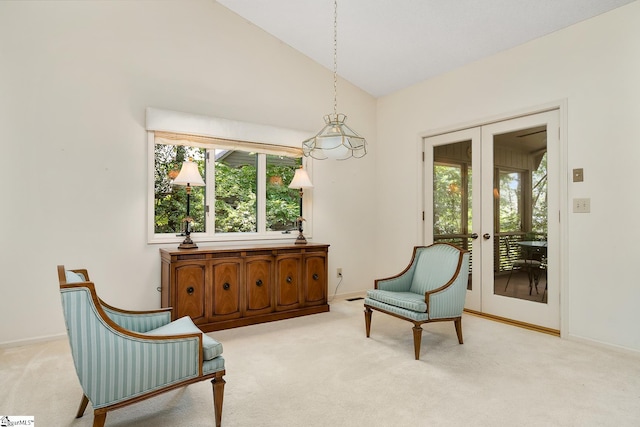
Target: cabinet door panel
{"points": [[288, 282], [315, 280], [258, 286], [190, 292], [226, 289]]}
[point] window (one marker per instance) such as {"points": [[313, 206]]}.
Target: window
{"points": [[245, 197]]}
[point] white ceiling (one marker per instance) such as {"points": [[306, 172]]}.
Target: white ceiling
{"points": [[387, 45]]}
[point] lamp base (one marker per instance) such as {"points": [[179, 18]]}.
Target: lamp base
{"points": [[187, 243], [301, 240]]}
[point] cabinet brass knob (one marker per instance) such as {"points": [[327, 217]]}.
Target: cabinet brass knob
{"points": [[315, 276], [190, 290], [289, 279], [259, 282], [226, 286]]}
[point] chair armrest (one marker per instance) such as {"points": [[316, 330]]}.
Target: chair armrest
{"points": [[400, 282], [137, 321], [448, 300], [115, 364], [149, 364]]}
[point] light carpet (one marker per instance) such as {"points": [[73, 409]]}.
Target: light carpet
{"points": [[320, 370]]}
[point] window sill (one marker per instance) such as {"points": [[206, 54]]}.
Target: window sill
{"points": [[228, 238]]}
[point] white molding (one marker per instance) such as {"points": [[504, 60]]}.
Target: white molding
{"points": [[174, 121], [193, 124]]}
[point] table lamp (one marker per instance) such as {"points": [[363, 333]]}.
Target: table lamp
{"points": [[189, 176], [300, 181]]}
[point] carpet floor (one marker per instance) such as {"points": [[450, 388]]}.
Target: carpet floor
{"points": [[320, 370]]}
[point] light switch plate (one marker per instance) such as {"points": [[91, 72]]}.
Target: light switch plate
{"points": [[578, 175], [581, 205]]}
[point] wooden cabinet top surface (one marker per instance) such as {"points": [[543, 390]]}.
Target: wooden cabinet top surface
{"points": [[203, 251]]}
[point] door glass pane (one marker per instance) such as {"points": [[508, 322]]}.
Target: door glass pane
{"points": [[520, 210], [452, 196]]}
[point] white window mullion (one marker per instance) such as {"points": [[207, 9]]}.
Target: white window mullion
{"points": [[210, 193], [261, 194]]}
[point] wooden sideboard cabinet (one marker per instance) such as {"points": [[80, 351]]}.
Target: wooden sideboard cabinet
{"points": [[231, 286]]}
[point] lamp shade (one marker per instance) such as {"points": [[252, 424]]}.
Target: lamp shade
{"points": [[189, 175], [301, 180]]}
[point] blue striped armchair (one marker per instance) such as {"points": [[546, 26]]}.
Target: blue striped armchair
{"points": [[431, 289], [122, 357]]}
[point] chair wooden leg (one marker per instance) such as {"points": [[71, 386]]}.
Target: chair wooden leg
{"points": [[99, 418], [417, 340], [367, 320], [508, 280], [83, 406], [218, 395], [458, 324]]}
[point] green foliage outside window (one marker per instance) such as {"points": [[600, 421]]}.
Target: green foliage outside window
{"points": [[235, 204], [171, 201]]}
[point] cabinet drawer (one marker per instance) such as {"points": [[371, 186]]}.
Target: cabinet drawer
{"points": [[190, 292], [288, 288], [226, 289], [259, 286], [315, 280]]}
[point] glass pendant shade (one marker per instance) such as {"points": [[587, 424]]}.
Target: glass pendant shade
{"points": [[335, 141], [189, 175]]}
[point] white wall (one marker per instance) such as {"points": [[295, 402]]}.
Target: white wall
{"points": [[595, 66], [75, 79]]}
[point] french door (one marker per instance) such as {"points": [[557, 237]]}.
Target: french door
{"points": [[494, 190]]}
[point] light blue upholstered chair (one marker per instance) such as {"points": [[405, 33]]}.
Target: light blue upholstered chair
{"points": [[122, 357], [431, 289]]}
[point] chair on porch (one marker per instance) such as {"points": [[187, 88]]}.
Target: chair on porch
{"points": [[431, 289], [122, 357], [530, 264]]}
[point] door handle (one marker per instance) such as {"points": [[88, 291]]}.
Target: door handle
{"points": [[474, 236], [486, 236]]}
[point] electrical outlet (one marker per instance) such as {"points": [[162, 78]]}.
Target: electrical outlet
{"points": [[581, 205], [339, 272]]}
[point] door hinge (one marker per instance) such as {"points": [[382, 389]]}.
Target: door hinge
{"points": [[423, 156], [423, 215], [206, 209], [207, 156]]}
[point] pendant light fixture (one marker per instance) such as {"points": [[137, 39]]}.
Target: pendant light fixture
{"points": [[336, 140]]}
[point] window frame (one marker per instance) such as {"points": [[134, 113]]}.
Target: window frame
{"points": [[226, 130]]}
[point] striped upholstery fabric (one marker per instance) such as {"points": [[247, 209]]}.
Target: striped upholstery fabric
{"points": [[450, 302], [408, 300], [432, 267], [435, 266], [403, 312], [138, 322], [113, 367]]}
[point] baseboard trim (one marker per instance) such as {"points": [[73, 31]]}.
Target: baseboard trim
{"points": [[29, 341], [517, 323]]}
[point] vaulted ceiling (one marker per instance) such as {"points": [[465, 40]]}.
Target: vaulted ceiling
{"points": [[387, 45]]}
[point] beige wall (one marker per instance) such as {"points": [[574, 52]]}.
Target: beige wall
{"points": [[595, 67], [75, 79]]}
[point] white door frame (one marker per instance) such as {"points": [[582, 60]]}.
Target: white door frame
{"points": [[425, 227]]}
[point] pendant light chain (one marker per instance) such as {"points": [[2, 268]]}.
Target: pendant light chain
{"points": [[335, 140], [335, 57]]}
